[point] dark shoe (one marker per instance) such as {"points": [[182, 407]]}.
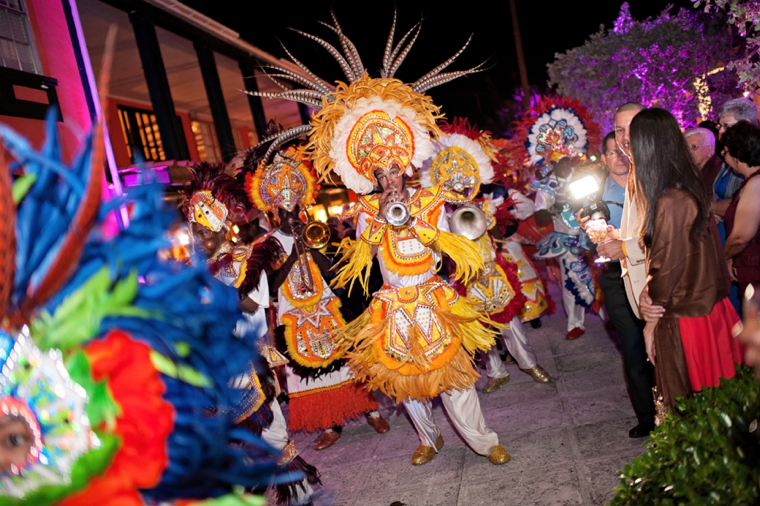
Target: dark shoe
{"points": [[509, 359], [575, 333], [327, 440], [379, 424], [641, 430], [536, 324]]}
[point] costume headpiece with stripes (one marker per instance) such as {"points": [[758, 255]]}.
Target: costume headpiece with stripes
{"points": [[366, 123]]}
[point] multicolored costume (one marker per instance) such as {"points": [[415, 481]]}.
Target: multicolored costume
{"points": [[560, 128], [323, 393], [416, 339], [462, 162], [247, 267], [111, 358], [537, 301]]}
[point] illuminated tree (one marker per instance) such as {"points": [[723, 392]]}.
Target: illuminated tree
{"points": [[668, 61], [745, 16]]}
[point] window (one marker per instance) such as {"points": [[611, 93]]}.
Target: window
{"points": [[205, 141], [238, 137], [141, 134], [17, 49]]}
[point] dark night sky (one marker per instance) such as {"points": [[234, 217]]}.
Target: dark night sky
{"points": [[547, 26]]}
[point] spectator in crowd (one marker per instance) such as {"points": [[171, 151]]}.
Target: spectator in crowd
{"points": [[702, 146], [727, 182], [689, 318], [639, 373], [742, 218]]}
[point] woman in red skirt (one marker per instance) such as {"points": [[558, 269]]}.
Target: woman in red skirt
{"points": [[689, 318]]}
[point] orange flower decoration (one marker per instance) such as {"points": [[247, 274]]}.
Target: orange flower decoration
{"points": [[145, 422]]}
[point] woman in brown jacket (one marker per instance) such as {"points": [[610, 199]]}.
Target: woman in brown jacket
{"points": [[690, 342]]}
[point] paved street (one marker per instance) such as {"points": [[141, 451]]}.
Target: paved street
{"points": [[568, 439]]}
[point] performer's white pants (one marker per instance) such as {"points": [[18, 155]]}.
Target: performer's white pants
{"points": [[463, 407], [576, 313], [277, 436], [516, 341]]}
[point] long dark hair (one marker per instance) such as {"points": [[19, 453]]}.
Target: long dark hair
{"points": [[662, 161]]}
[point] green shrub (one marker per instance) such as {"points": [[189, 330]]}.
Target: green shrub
{"points": [[702, 455]]}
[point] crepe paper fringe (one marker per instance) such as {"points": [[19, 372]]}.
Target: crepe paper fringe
{"points": [[517, 303], [418, 377], [464, 252], [330, 407], [357, 263]]}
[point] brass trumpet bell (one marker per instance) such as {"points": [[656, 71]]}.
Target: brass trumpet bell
{"points": [[316, 235], [468, 221], [397, 214]]}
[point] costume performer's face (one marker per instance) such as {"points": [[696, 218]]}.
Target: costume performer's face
{"points": [[286, 217], [208, 240], [391, 179], [15, 442]]}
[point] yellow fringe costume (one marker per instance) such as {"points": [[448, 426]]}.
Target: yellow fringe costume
{"points": [[413, 341]]}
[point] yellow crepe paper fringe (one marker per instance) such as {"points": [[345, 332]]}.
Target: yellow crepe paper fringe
{"points": [[357, 256], [464, 252], [413, 378], [323, 123]]}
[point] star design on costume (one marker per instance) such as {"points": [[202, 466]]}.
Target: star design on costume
{"points": [[303, 315]]}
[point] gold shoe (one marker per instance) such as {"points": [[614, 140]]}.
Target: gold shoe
{"points": [[499, 455], [494, 384], [424, 454], [538, 374]]}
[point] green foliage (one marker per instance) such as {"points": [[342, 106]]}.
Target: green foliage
{"points": [[745, 16], [702, 455], [85, 469], [658, 62], [78, 318]]}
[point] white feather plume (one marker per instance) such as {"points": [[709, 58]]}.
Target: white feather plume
{"points": [[553, 116], [472, 147], [423, 146]]}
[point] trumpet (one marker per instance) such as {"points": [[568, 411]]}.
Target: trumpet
{"points": [[397, 213], [468, 221], [315, 235]]}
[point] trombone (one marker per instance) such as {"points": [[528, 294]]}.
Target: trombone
{"points": [[315, 235]]}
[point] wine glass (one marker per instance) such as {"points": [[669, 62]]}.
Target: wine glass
{"points": [[597, 232]]}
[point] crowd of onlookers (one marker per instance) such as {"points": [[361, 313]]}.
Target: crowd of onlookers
{"points": [[684, 242]]}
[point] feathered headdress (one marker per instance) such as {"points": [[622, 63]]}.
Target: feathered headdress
{"points": [[104, 379], [212, 197], [462, 160], [367, 123], [285, 183], [556, 127]]}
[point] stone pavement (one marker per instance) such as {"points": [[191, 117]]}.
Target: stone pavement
{"points": [[568, 439]]}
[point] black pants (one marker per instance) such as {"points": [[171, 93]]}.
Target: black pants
{"points": [[638, 372]]}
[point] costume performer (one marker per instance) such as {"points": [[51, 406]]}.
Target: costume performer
{"points": [[212, 200], [462, 161], [553, 132], [111, 358], [416, 340], [323, 393], [537, 301]]}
